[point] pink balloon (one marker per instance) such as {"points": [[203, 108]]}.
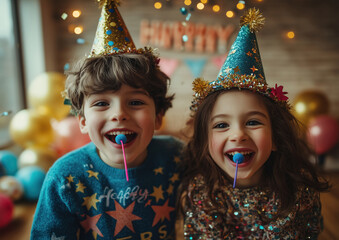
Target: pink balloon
{"points": [[68, 136], [6, 210], [323, 133]]}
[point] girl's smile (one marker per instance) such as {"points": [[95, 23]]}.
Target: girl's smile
{"points": [[247, 153]]}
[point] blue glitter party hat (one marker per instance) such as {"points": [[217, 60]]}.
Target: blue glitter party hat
{"points": [[244, 57], [242, 68]]}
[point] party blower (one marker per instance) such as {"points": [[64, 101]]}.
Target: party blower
{"points": [[237, 158], [121, 139]]}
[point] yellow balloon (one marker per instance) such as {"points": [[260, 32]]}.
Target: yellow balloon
{"points": [[45, 94], [35, 156], [309, 104], [29, 128]]}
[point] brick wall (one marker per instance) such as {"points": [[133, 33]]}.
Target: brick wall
{"points": [[309, 61]]}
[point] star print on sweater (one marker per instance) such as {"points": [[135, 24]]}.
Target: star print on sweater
{"points": [[124, 217], [87, 199], [162, 212], [158, 193], [54, 237], [90, 224], [80, 187]]}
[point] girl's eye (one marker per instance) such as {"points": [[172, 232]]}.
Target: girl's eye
{"points": [[221, 125], [136, 103], [253, 123], [101, 104]]}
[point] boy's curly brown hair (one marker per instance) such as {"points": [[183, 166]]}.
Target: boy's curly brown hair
{"points": [[108, 73]]}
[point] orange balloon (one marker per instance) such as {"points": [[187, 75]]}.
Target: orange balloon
{"points": [[45, 95], [68, 136], [31, 128]]}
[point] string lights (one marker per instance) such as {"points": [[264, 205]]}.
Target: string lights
{"points": [[187, 10], [201, 5]]}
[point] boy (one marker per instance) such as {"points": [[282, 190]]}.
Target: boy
{"points": [[85, 194]]}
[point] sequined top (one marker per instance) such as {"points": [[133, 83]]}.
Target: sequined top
{"points": [[249, 214]]}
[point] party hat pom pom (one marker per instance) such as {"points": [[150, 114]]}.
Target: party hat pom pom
{"points": [[102, 2], [199, 85], [254, 19]]}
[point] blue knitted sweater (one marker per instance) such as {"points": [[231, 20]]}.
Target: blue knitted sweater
{"points": [[84, 198]]}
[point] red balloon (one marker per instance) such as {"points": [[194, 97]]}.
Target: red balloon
{"points": [[6, 210], [323, 133], [68, 136]]}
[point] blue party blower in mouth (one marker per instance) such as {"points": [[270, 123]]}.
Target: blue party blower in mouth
{"points": [[237, 158], [121, 139]]}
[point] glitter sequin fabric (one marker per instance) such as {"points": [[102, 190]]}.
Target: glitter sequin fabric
{"points": [[249, 214]]}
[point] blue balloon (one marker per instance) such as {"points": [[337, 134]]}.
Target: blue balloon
{"points": [[31, 179], [119, 138], [2, 170], [9, 162], [238, 157]]}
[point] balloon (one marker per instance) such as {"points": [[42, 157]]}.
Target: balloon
{"points": [[41, 157], [45, 94], [309, 104], [31, 128], [9, 162], [68, 136], [31, 178], [6, 210], [2, 170], [323, 133], [11, 187]]}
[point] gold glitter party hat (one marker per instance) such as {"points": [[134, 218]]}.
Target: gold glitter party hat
{"points": [[243, 67], [112, 35]]}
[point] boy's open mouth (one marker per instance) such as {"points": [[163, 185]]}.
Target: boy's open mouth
{"points": [[247, 155], [129, 135]]}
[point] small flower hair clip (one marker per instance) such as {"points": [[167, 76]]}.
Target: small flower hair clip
{"points": [[278, 93]]}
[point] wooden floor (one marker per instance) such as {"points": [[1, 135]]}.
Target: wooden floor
{"points": [[19, 228], [330, 209]]}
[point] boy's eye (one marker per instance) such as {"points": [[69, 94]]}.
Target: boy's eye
{"points": [[253, 123], [101, 104], [136, 103], [221, 125]]}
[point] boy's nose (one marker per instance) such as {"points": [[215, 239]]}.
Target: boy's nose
{"points": [[119, 114]]}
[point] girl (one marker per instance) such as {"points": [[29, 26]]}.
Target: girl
{"points": [[277, 188]]}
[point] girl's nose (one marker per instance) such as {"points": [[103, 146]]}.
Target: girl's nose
{"points": [[238, 135]]}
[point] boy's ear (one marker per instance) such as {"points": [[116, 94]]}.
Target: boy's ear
{"points": [[158, 121], [82, 124]]}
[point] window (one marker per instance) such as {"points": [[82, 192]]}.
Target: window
{"points": [[12, 98]]}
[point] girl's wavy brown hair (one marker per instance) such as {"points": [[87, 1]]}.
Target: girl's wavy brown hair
{"points": [[287, 168]]}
